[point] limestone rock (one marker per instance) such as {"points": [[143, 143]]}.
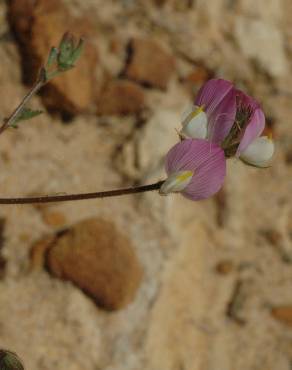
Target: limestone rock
{"points": [[3, 24], [155, 140], [283, 314], [142, 157], [176, 310], [2, 240], [262, 42], [159, 2], [38, 26], [186, 315], [224, 267], [53, 218], [270, 10], [100, 260], [67, 321], [39, 250], [121, 97], [196, 78], [149, 63]]}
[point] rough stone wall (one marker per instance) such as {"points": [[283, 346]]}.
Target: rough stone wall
{"points": [[217, 274]]}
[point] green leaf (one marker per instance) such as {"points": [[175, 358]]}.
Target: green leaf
{"points": [[25, 115]]}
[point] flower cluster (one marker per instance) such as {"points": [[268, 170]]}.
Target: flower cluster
{"points": [[224, 122]]}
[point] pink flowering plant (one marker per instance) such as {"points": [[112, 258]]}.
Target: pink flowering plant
{"points": [[222, 123]]}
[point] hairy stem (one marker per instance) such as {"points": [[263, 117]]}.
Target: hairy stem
{"points": [[15, 114], [82, 196]]}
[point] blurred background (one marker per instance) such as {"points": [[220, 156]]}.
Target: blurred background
{"points": [[143, 281]]}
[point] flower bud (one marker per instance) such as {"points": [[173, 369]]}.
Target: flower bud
{"points": [[52, 58], [69, 52]]}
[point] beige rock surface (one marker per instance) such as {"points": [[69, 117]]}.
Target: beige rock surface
{"points": [[185, 315]]}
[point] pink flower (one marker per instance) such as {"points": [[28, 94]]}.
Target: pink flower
{"points": [[253, 148], [213, 113], [196, 168], [230, 118], [224, 122]]}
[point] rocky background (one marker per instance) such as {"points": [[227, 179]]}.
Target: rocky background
{"points": [[142, 281]]}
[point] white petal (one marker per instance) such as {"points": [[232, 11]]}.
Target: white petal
{"points": [[176, 182], [194, 123], [259, 152], [189, 109]]}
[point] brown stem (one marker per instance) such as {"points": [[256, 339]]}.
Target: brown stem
{"points": [[42, 80], [82, 196]]}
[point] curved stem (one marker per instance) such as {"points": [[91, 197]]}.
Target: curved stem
{"points": [[82, 196]]}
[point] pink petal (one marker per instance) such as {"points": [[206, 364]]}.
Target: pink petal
{"points": [[246, 100], [212, 93], [253, 130], [222, 118], [208, 179], [205, 159], [187, 155]]}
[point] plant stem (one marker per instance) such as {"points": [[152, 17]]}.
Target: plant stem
{"points": [[82, 196], [36, 87]]}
